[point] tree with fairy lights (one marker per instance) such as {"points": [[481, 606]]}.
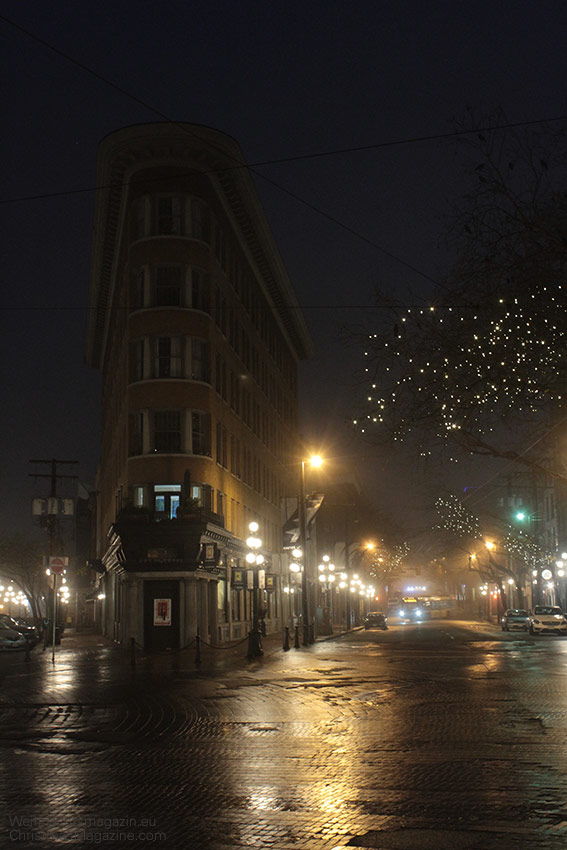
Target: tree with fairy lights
{"points": [[482, 369], [522, 552]]}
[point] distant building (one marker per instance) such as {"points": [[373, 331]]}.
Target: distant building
{"points": [[197, 332]]}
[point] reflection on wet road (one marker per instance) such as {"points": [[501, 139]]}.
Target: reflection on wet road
{"points": [[442, 735]]}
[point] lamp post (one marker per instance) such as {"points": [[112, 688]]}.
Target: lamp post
{"points": [[315, 461], [327, 578], [561, 584], [254, 558]]}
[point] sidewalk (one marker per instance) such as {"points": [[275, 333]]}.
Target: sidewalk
{"points": [[91, 648]]}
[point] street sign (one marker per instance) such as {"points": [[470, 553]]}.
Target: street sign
{"points": [[57, 564]]}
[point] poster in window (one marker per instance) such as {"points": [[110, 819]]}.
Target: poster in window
{"points": [[162, 612]]}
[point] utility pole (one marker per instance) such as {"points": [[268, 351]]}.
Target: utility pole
{"points": [[52, 524], [53, 528]]}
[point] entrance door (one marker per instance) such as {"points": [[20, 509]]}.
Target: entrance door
{"points": [[161, 615]]}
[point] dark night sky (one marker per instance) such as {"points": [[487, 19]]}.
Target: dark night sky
{"points": [[285, 79]]}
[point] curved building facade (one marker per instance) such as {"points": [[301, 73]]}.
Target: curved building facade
{"points": [[196, 330]]}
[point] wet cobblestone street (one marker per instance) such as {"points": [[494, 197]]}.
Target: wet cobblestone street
{"points": [[439, 735]]}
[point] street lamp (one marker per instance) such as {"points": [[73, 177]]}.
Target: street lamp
{"points": [[327, 578], [315, 461], [254, 558]]}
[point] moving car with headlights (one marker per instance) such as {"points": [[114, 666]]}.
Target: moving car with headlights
{"points": [[9, 639], [376, 620], [548, 618], [516, 618]]}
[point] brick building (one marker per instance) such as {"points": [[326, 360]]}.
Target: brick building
{"points": [[196, 330]]}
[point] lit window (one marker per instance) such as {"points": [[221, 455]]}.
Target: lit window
{"points": [[166, 500]]}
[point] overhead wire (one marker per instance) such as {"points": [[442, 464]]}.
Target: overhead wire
{"points": [[253, 166]]}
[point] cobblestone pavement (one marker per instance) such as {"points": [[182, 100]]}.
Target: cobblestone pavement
{"points": [[447, 735]]}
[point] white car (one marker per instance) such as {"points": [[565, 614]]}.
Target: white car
{"points": [[548, 618]]}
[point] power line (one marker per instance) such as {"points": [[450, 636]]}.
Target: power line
{"points": [[253, 166], [302, 307]]}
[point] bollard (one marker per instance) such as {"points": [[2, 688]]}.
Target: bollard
{"points": [[286, 639], [311, 633], [197, 648], [133, 653], [27, 655], [296, 643]]}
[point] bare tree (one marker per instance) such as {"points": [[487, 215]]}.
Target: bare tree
{"points": [[482, 368], [21, 561]]}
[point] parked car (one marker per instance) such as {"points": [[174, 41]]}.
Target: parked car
{"points": [[548, 618], [17, 624], [516, 618], [9, 639], [376, 620]]}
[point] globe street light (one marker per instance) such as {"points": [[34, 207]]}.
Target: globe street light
{"points": [[327, 578], [315, 461], [256, 559]]}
